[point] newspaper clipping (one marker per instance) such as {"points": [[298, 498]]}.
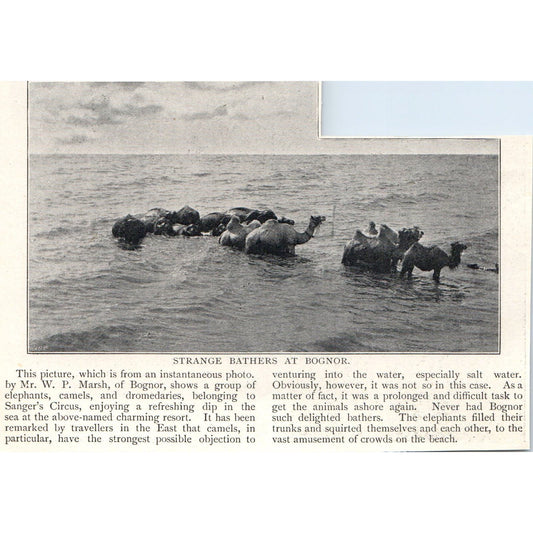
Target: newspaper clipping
{"points": [[189, 266]]}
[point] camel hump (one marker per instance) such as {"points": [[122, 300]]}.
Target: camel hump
{"points": [[382, 232], [386, 232], [360, 236], [253, 225], [234, 223]]}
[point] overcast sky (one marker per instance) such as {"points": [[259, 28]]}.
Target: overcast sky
{"points": [[198, 117]]}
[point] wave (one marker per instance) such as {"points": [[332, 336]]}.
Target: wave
{"points": [[410, 199], [56, 232], [99, 338], [62, 231], [488, 235], [339, 343]]}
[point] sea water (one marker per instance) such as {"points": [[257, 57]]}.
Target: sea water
{"points": [[175, 294]]}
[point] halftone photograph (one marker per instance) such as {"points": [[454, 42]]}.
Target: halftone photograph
{"points": [[211, 218]]}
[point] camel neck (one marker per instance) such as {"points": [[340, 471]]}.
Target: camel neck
{"points": [[455, 258], [311, 227], [301, 238]]}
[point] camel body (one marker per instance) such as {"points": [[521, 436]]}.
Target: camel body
{"points": [[235, 233], [431, 258], [277, 238]]}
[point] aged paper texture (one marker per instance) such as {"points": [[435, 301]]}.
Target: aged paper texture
{"points": [[188, 266]]}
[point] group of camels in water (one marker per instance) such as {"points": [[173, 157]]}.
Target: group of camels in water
{"points": [[262, 232]]}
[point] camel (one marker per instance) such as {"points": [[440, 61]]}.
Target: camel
{"points": [[431, 258], [277, 238], [236, 233], [380, 253]]}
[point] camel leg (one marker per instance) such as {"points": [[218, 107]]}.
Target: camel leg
{"points": [[408, 269]]}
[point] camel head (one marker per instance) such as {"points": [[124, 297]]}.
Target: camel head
{"points": [[407, 237], [316, 220], [458, 247]]}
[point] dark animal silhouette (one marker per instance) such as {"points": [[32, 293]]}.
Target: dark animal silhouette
{"points": [[212, 220], [191, 230], [186, 215], [262, 216], [431, 258], [163, 226], [475, 266], [285, 220], [129, 229], [154, 215]]}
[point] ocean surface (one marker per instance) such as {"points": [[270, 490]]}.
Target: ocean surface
{"points": [[175, 294]]}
